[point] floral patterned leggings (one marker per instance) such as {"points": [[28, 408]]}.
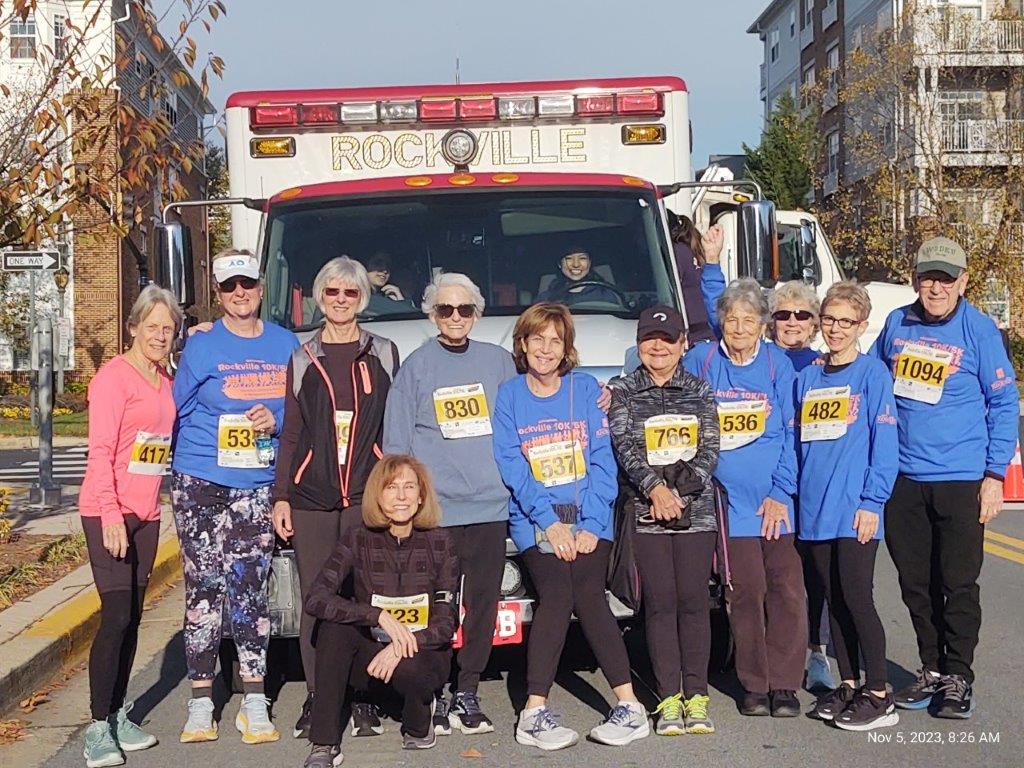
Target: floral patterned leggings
{"points": [[227, 540]]}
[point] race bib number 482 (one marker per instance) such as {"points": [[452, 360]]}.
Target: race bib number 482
{"points": [[823, 413], [921, 372]]}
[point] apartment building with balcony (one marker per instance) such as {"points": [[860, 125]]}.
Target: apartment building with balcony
{"points": [[138, 70]]}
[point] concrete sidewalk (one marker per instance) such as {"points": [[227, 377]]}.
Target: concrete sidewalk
{"points": [[42, 633]]}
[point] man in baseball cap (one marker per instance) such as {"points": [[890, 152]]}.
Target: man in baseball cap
{"points": [[957, 408]]}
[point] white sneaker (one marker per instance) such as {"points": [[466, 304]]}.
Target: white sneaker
{"points": [[819, 673], [253, 720], [538, 727], [626, 722], [200, 725]]}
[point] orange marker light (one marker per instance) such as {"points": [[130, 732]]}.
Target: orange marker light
{"points": [[462, 179], [419, 181], [633, 181], [288, 194], [505, 178]]}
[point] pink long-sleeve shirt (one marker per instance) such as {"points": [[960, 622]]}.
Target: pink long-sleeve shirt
{"points": [[130, 424]]}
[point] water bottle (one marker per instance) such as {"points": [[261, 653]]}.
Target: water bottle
{"points": [[264, 448]]}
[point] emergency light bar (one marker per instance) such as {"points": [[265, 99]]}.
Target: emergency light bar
{"points": [[466, 109]]}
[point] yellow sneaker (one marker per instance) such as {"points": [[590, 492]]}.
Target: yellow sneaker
{"points": [[200, 725], [253, 720], [696, 711], [670, 722]]}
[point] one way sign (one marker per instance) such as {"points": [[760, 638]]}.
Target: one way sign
{"points": [[19, 261]]}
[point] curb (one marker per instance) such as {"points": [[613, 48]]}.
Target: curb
{"points": [[34, 657]]}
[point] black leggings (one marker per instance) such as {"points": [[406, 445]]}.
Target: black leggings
{"points": [[818, 633], [342, 654], [674, 572], [847, 570], [563, 589]]}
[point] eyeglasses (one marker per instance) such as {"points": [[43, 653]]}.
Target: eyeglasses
{"points": [[946, 281], [445, 311], [350, 293], [843, 322], [785, 314], [229, 285]]}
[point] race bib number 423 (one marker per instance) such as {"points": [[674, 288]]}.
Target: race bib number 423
{"points": [[462, 411], [413, 612], [669, 438], [236, 442], [741, 422], [921, 373]]}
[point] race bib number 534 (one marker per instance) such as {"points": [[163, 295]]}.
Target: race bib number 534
{"points": [[236, 442]]}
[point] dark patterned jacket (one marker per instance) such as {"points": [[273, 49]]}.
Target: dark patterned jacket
{"points": [[383, 565], [636, 398]]}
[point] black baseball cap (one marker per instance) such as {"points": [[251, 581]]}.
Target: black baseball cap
{"points": [[660, 320]]}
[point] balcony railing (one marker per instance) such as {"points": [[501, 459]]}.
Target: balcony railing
{"points": [[983, 136], [829, 15], [987, 36], [973, 236]]}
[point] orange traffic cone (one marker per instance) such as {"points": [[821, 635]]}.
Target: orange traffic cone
{"points": [[1013, 484]]}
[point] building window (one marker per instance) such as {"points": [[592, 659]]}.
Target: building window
{"points": [[832, 152], [773, 40], [807, 86], [23, 38], [808, 14], [792, 22], [170, 106], [962, 105], [832, 58], [60, 41]]}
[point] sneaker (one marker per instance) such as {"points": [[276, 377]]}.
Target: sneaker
{"points": [[867, 712], [539, 727], [834, 703], [919, 694], [696, 709], [442, 727], [324, 756], [301, 730], [200, 725], [253, 720], [129, 736], [670, 722], [100, 748], [366, 719], [784, 704], [419, 742], [819, 673], [755, 704], [626, 722], [466, 714], [956, 698]]}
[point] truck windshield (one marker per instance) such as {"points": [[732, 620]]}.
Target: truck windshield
{"points": [[599, 251]]}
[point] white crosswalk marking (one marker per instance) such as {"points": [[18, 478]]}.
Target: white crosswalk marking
{"points": [[68, 467]]}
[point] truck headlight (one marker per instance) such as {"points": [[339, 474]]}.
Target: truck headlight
{"points": [[458, 146], [511, 579]]}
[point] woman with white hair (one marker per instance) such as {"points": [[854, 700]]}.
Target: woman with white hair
{"points": [[131, 415], [337, 385], [793, 325], [753, 386], [439, 410]]}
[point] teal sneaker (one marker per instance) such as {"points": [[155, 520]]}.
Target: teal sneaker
{"points": [[100, 748], [129, 736]]}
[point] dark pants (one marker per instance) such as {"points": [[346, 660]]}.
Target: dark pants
{"points": [[847, 569], [768, 613], [481, 551], [937, 544], [563, 589], [121, 583], [342, 654], [316, 534], [817, 612], [674, 572]]}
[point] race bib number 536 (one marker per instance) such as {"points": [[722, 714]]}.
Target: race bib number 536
{"points": [[741, 423]]}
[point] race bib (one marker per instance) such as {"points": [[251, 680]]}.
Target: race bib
{"points": [[669, 438], [741, 423], [343, 428], [462, 411], [557, 463], [921, 373], [413, 612], [823, 414], [151, 454], [236, 442]]}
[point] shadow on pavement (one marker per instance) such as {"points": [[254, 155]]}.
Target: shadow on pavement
{"points": [[172, 672]]}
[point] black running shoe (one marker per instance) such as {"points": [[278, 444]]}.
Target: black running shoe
{"points": [[366, 720], [867, 712], [955, 698], [440, 717], [466, 714], [784, 704], [302, 724], [834, 702], [919, 694], [755, 705]]}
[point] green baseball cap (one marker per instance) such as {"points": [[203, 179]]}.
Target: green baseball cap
{"points": [[940, 254]]}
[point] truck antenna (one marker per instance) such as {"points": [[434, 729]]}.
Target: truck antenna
{"points": [[457, 79]]}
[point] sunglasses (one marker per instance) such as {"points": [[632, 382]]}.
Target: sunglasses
{"points": [[445, 311], [785, 314], [350, 293], [229, 285]]}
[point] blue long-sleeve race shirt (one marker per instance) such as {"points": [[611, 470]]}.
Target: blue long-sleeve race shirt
{"points": [[969, 429], [755, 403], [533, 445], [841, 473], [712, 285]]}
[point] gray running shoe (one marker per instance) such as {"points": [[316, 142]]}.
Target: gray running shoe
{"points": [[100, 749], [625, 723], [539, 727], [130, 737], [324, 756]]}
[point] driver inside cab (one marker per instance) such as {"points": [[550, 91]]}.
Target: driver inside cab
{"points": [[578, 283]]}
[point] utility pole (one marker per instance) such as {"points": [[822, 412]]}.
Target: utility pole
{"points": [[45, 492]]}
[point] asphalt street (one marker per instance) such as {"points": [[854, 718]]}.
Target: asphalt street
{"points": [[21, 467], [991, 738]]}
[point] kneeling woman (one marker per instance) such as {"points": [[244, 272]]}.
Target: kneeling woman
{"points": [[396, 625], [552, 445], [849, 457]]}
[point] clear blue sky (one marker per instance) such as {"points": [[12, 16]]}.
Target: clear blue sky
{"points": [[321, 43]]}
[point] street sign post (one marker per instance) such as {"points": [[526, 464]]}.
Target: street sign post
{"points": [[24, 261]]}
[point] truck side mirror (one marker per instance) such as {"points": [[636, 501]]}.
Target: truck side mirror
{"points": [[174, 269], [808, 252], [758, 242]]}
